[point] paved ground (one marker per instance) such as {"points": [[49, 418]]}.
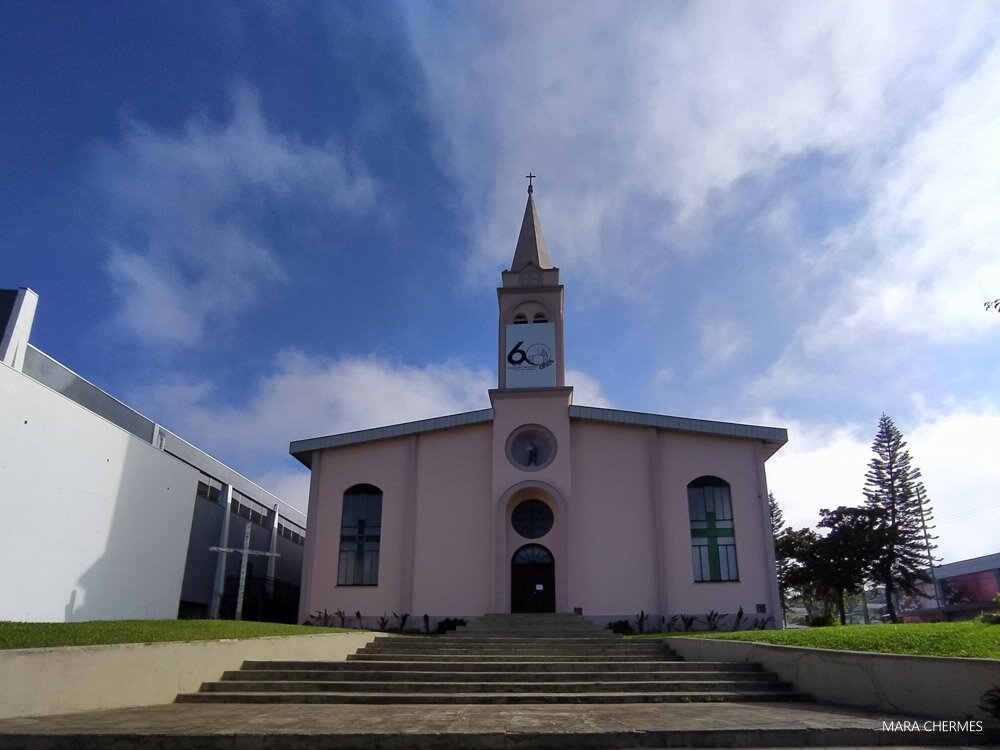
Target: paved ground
{"points": [[471, 727]]}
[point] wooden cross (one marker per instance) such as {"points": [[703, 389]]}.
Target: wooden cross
{"points": [[245, 552], [529, 177]]}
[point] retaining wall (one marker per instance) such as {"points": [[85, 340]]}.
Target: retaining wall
{"points": [[45, 681], [939, 688]]}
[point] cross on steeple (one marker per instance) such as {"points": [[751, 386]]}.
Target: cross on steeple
{"points": [[529, 177]]}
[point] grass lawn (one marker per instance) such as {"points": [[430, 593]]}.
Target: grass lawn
{"points": [[41, 634], [971, 638]]}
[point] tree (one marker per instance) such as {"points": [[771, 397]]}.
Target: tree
{"points": [[993, 304], [891, 494], [845, 557], [777, 517], [781, 561], [797, 550]]}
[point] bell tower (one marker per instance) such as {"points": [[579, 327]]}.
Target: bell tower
{"points": [[531, 312], [532, 467]]}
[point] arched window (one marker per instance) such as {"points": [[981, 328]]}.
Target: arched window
{"points": [[532, 519], [532, 554], [360, 536], [713, 538], [530, 312]]}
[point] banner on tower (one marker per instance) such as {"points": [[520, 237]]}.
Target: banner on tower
{"points": [[530, 356]]}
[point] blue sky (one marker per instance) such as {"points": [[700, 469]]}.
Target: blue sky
{"points": [[259, 222]]}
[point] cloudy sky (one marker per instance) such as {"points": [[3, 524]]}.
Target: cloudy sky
{"points": [[258, 222]]}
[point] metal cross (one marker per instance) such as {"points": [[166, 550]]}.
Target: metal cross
{"points": [[529, 177], [245, 552]]}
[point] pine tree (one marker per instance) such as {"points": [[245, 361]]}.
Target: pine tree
{"points": [[891, 493], [781, 561], [777, 517]]}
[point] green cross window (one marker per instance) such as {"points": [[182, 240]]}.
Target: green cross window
{"points": [[713, 538], [360, 536]]}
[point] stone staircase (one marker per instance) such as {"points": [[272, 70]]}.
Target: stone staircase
{"points": [[500, 659]]}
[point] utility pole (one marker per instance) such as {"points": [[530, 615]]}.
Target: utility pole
{"points": [[927, 544]]}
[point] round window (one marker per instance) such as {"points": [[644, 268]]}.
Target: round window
{"points": [[532, 519], [531, 447]]}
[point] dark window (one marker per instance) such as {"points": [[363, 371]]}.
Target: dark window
{"points": [[532, 554], [209, 489], [520, 319], [713, 538], [250, 509], [293, 536], [540, 317], [360, 536], [532, 519]]}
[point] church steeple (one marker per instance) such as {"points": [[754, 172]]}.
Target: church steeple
{"points": [[531, 249], [531, 312]]}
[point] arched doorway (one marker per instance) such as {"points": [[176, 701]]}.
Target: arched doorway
{"points": [[532, 580]]}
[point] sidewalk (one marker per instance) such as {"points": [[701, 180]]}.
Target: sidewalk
{"points": [[471, 727]]}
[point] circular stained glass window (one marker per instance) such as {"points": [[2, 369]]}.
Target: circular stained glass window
{"points": [[532, 519]]}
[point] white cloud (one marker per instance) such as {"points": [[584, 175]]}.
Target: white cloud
{"points": [[824, 466], [933, 227], [587, 390], [956, 451], [638, 120], [916, 266], [188, 245], [307, 397], [722, 341], [291, 486]]}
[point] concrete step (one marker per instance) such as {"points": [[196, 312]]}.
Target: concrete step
{"points": [[542, 689], [528, 652], [512, 666], [440, 698], [503, 657], [615, 651], [494, 662], [531, 626], [525, 675], [540, 642]]}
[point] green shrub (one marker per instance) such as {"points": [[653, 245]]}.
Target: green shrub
{"points": [[990, 702], [323, 619], [622, 627], [449, 623]]}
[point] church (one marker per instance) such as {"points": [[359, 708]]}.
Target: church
{"points": [[538, 504]]}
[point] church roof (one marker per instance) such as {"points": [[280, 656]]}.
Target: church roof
{"points": [[531, 247], [772, 437], [302, 449]]}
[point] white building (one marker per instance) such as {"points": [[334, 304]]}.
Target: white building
{"points": [[109, 515]]}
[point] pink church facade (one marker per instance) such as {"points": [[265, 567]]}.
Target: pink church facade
{"points": [[538, 504]]}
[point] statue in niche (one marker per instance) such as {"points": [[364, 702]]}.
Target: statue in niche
{"points": [[532, 453]]}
